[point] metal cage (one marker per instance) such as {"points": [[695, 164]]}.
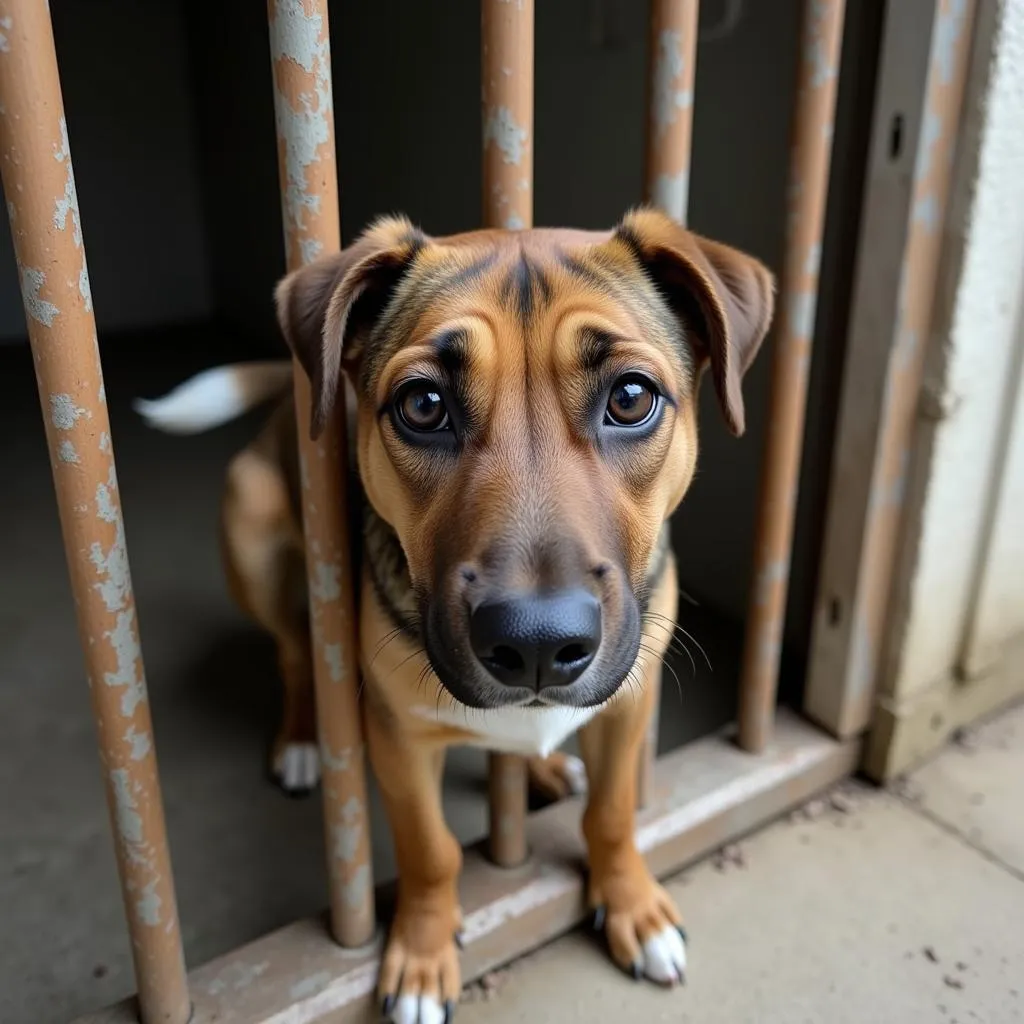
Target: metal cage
{"points": [[526, 888]]}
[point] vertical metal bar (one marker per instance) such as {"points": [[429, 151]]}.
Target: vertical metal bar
{"points": [[301, 57], [948, 65], [820, 45], [42, 204], [673, 63], [507, 110]]}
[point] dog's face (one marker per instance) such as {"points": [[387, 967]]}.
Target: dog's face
{"points": [[526, 423]]}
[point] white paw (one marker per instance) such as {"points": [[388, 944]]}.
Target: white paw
{"points": [[575, 774], [664, 957], [297, 767], [413, 1009]]}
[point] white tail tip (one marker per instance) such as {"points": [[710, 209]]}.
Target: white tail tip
{"points": [[214, 397]]}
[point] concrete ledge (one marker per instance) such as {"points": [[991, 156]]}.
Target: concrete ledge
{"points": [[705, 795]]}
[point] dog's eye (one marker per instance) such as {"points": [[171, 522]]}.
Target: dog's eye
{"points": [[632, 401], [422, 408]]}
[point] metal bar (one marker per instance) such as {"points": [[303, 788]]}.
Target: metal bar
{"points": [[42, 204], [705, 795], [900, 387], [818, 72], [507, 114], [836, 694], [673, 62], [301, 57]]}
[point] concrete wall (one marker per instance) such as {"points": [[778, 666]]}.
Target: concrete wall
{"points": [[127, 98]]}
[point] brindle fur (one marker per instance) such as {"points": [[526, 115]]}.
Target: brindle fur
{"points": [[524, 330]]}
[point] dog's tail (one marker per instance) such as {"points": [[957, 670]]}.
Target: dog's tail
{"points": [[215, 396]]}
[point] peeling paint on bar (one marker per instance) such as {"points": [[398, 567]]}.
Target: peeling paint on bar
{"points": [[673, 56], [301, 66], [39, 309], [501, 130], [46, 229], [668, 99], [810, 157]]}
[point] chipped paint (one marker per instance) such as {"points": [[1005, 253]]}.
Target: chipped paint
{"points": [[296, 36], [501, 130], [237, 976], [125, 642], [802, 307], [64, 413], [147, 906], [357, 891], [335, 994], [6, 23], [553, 883], [335, 662], [670, 193], [325, 584], [949, 27], [340, 762], [104, 442], [106, 510], [140, 743], [513, 222], [348, 834], [126, 811], [310, 248], [669, 65], [66, 452], [39, 309], [66, 207], [817, 52]]}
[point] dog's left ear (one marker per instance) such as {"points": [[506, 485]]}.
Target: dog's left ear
{"points": [[327, 308], [725, 297]]}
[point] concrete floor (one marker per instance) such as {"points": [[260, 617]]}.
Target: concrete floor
{"points": [[868, 906]]}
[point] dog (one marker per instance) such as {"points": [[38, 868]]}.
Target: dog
{"points": [[525, 407]]}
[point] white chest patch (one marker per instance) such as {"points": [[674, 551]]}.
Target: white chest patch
{"points": [[525, 731]]}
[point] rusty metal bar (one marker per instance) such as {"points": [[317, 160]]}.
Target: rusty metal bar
{"points": [[820, 44], [301, 57], [673, 63], [846, 703], [507, 114], [46, 227]]}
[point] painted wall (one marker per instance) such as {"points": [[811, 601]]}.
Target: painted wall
{"points": [[963, 554], [127, 100]]}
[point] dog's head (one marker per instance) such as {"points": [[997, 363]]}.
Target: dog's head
{"points": [[526, 423]]}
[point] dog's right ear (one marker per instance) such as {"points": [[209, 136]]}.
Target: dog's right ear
{"points": [[326, 308]]}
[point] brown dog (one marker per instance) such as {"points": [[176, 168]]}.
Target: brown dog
{"points": [[526, 423]]}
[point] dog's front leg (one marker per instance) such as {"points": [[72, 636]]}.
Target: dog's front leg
{"points": [[638, 916], [419, 978]]}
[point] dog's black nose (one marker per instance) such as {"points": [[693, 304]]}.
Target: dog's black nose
{"points": [[537, 641]]}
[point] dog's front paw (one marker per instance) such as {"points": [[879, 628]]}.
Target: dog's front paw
{"points": [[558, 775], [296, 767], [642, 926], [420, 978]]}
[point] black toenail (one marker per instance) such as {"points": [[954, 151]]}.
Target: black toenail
{"points": [[638, 970], [449, 1011], [682, 932], [460, 939], [599, 916], [388, 1005]]}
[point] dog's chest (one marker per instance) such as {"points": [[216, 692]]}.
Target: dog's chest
{"points": [[525, 731]]}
